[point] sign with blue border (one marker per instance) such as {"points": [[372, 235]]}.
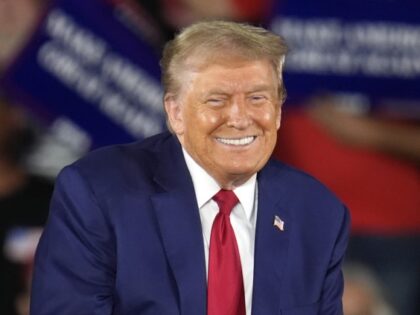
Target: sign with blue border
{"points": [[83, 63]]}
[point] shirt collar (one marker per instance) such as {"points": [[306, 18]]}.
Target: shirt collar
{"points": [[206, 187]]}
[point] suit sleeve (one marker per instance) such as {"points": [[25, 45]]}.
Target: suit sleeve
{"points": [[75, 260], [331, 302]]}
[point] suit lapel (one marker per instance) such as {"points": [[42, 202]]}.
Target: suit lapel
{"points": [[180, 227], [271, 244]]}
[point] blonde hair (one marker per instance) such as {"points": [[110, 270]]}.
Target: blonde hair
{"points": [[208, 41]]}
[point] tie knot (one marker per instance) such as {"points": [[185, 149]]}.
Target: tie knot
{"points": [[226, 199]]}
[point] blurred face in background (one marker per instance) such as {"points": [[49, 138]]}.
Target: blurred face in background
{"points": [[226, 117], [17, 20], [358, 299], [15, 135], [180, 13]]}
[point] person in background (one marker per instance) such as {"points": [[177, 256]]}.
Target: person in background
{"points": [[198, 220], [366, 132], [169, 16], [363, 294], [24, 203], [17, 21], [372, 162]]}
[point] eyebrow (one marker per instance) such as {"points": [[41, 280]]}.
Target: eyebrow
{"points": [[216, 91], [260, 88]]}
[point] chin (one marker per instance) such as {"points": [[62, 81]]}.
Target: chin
{"points": [[241, 172]]}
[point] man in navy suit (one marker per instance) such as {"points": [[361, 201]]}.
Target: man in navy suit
{"points": [[134, 229]]}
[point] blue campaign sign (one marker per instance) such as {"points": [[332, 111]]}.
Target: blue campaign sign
{"points": [[85, 64], [356, 46]]}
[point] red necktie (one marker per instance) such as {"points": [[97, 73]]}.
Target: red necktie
{"points": [[225, 292]]}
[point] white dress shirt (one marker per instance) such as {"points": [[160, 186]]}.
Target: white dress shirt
{"points": [[243, 219]]}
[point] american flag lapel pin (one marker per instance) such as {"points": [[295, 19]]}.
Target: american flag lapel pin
{"points": [[278, 223]]}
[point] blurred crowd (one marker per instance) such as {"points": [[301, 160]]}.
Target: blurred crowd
{"points": [[370, 161], [372, 164]]}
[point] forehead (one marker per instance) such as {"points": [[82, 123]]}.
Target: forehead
{"points": [[230, 74]]}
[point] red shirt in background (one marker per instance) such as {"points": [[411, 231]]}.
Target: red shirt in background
{"points": [[382, 193]]}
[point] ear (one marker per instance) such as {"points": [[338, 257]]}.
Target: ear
{"points": [[173, 110], [278, 118]]}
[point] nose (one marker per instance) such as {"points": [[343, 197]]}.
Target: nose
{"points": [[238, 115]]}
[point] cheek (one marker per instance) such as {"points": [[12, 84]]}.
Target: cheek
{"points": [[206, 119], [211, 120], [278, 119], [268, 119]]}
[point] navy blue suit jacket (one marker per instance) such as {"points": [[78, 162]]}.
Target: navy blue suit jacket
{"points": [[124, 237]]}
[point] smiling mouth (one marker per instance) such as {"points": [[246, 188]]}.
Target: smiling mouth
{"points": [[237, 141]]}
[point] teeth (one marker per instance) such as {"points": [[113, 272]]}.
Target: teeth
{"points": [[240, 141]]}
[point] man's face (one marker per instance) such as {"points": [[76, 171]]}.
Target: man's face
{"points": [[226, 117]]}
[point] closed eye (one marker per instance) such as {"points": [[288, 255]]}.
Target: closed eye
{"points": [[215, 101], [257, 99]]}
